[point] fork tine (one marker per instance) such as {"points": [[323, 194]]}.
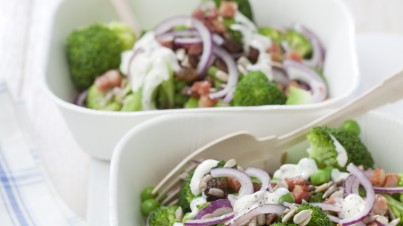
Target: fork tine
{"points": [[171, 196]]}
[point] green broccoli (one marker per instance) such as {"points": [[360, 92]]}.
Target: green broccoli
{"points": [[97, 100], [298, 96], [95, 49], [319, 217], [166, 94], [323, 151], [185, 194], [316, 197], [192, 102], [163, 216], [396, 207], [244, 7], [255, 89], [132, 102], [298, 42], [283, 224], [272, 33]]}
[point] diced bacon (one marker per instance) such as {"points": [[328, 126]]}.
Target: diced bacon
{"points": [[228, 9], [195, 49], [275, 52], [198, 14], [233, 184], [201, 88], [108, 80], [300, 192], [215, 26], [294, 55], [377, 177], [206, 101], [296, 181], [380, 206], [391, 180]]}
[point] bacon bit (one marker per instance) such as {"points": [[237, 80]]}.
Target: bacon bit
{"points": [[300, 192], [215, 26], [201, 88], [198, 14], [296, 181], [233, 184], [186, 74], [205, 101], [275, 52], [391, 180], [228, 9], [108, 80], [294, 55], [195, 49], [256, 187], [212, 14], [331, 200], [377, 177], [380, 206]]}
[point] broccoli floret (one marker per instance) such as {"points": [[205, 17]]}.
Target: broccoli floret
{"points": [[185, 194], [298, 96], [298, 42], [244, 7], [97, 100], [323, 151], [319, 217], [255, 89], [192, 102], [283, 224], [396, 207], [316, 197], [95, 49], [132, 102], [272, 33], [163, 216]]}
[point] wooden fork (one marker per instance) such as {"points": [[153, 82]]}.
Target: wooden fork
{"points": [[267, 152]]}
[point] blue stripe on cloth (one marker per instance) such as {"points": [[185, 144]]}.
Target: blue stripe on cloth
{"points": [[8, 209], [7, 185]]}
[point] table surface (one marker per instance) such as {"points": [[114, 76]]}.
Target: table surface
{"points": [[24, 32]]}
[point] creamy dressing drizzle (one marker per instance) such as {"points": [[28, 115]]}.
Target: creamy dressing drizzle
{"points": [[201, 170], [193, 206], [153, 65], [304, 169], [253, 39], [341, 152], [338, 176], [351, 205]]}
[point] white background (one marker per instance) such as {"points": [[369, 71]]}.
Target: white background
{"points": [[24, 27]]}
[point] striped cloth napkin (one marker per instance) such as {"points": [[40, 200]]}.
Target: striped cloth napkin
{"points": [[26, 194]]}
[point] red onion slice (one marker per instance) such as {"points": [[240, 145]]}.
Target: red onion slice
{"points": [[81, 98], [389, 190], [204, 33], [299, 71], [327, 206], [187, 41], [233, 74], [262, 209], [242, 177], [262, 176], [318, 54], [210, 221], [333, 218], [214, 207], [218, 40], [348, 185], [369, 200]]}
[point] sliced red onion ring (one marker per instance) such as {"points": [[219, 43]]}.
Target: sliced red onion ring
{"points": [[327, 206], [229, 97], [369, 200], [214, 207], [334, 219], [299, 71], [318, 54], [204, 33], [389, 190], [233, 74], [348, 185], [187, 41], [81, 98], [289, 204], [262, 209], [280, 76], [355, 186], [210, 221], [218, 40], [242, 177], [262, 176]]}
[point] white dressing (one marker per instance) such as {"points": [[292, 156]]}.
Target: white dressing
{"points": [[305, 168], [178, 224], [153, 65], [201, 170], [251, 38], [341, 152], [194, 206], [351, 205], [338, 176]]}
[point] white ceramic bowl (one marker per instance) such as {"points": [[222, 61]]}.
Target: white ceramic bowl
{"points": [[97, 132], [146, 153]]}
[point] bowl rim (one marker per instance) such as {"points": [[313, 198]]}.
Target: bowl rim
{"points": [[120, 149], [314, 106]]}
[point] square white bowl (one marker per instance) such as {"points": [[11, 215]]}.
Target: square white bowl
{"points": [[146, 153], [97, 132]]}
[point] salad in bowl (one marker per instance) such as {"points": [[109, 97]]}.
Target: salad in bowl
{"points": [[216, 56], [337, 183]]}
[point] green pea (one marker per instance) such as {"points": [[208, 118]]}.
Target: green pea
{"points": [[272, 33], [149, 205], [321, 176], [352, 126], [299, 42], [286, 198], [147, 193]]}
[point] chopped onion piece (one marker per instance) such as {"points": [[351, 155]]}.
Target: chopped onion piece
{"points": [[214, 207], [262, 176], [389, 190], [242, 177], [210, 221], [262, 209]]}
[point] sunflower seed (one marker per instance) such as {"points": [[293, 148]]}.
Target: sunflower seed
{"points": [[302, 217], [202, 186], [179, 214], [330, 191], [230, 163], [216, 192], [289, 215], [323, 187], [252, 222], [261, 219]]}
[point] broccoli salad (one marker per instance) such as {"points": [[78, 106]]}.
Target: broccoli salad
{"points": [[218, 56], [335, 184]]}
